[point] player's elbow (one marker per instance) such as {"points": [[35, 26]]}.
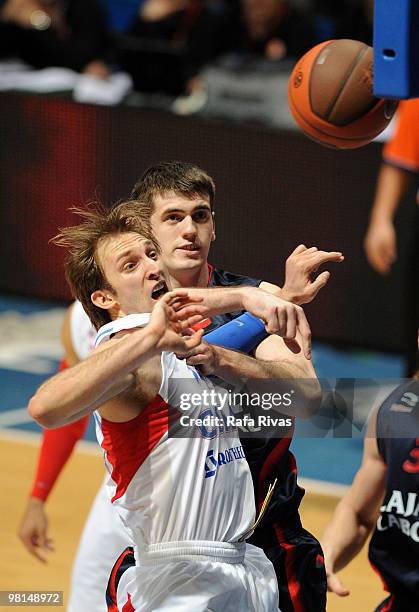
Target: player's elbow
{"points": [[310, 398], [41, 413]]}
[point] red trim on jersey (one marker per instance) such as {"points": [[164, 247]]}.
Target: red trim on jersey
{"points": [[294, 586], [379, 574], [56, 448], [274, 457], [128, 607], [112, 580], [210, 271], [127, 445], [270, 462], [389, 604]]}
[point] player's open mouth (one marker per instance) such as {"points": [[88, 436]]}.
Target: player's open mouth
{"points": [[190, 248], [159, 290]]}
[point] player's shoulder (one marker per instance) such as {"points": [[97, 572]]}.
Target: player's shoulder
{"points": [[398, 411], [222, 278]]}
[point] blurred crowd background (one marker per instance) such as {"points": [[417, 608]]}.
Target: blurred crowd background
{"points": [[188, 55]]}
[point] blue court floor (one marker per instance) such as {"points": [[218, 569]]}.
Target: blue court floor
{"points": [[30, 351]]}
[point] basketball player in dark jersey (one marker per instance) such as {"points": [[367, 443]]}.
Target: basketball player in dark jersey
{"points": [[384, 498]]}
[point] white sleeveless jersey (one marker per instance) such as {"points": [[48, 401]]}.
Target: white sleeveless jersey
{"points": [[82, 331], [173, 489]]}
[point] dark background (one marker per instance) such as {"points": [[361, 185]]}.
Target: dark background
{"points": [[275, 189]]}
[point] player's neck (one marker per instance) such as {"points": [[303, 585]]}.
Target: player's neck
{"points": [[189, 278]]}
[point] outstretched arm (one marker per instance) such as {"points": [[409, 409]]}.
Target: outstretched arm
{"points": [[110, 370], [280, 316], [356, 514]]}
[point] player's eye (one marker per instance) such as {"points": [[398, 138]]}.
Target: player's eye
{"points": [[130, 265], [173, 218], [201, 216], [153, 255]]}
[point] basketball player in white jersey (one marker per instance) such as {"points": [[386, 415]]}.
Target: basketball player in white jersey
{"points": [[185, 534], [300, 286]]}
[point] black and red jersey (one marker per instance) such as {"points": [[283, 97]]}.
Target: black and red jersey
{"points": [[394, 547], [295, 553]]}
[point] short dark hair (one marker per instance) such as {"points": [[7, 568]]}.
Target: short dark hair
{"points": [[82, 267], [181, 177]]}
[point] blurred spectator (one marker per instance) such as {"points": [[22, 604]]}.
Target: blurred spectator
{"points": [[71, 34], [169, 42], [274, 29]]}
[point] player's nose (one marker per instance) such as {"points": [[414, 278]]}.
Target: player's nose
{"points": [[154, 270], [188, 227]]}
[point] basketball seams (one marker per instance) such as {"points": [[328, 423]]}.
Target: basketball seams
{"points": [[309, 90], [310, 131], [345, 80], [350, 85]]}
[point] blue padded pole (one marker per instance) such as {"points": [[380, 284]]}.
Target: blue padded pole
{"points": [[396, 48]]}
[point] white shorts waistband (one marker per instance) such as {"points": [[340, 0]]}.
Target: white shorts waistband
{"points": [[196, 550]]}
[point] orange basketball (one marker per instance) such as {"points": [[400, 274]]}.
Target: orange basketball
{"points": [[330, 95]]}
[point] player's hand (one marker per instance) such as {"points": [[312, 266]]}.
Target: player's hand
{"points": [[334, 585], [174, 313], [300, 286], [203, 356], [380, 245], [33, 530], [280, 316]]}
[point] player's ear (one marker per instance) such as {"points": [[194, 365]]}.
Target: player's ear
{"points": [[103, 298], [213, 227]]}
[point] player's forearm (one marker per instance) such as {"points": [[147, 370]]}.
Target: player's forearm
{"points": [[392, 184], [343, 537], [281, 292], [56, 448], [280, 376], [79, 390], [220, 300]]}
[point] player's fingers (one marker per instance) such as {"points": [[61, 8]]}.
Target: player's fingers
{"points": [[186, 325], [311, 250], [190, 310], [278, 322], [27, 538], [49, 544], [291, 323], [198, 359], [35, 550], [319, 283], [178, 304], [299, 249], [194, 340], [335, 586], [305, 331], [380, 264], [316, 259]]}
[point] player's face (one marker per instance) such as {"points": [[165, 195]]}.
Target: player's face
{"points": [[184, 228], [130, 265]]}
